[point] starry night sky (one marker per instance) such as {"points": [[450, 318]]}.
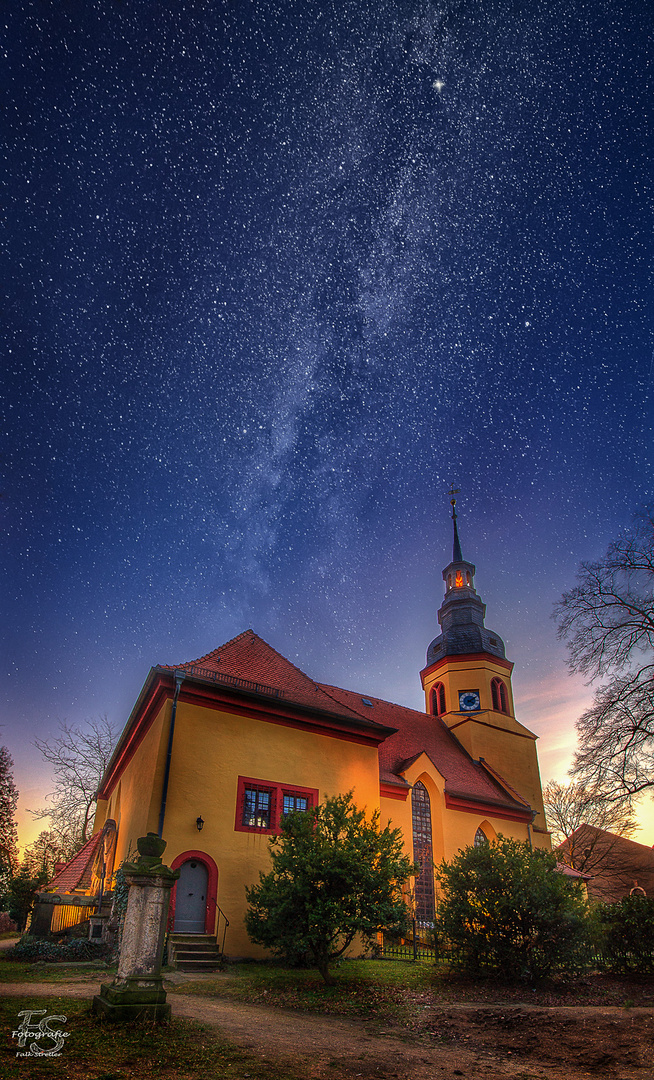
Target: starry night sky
{"points": [[276, 275]]}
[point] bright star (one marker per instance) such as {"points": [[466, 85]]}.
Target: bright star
{"points": [[438, 85]]}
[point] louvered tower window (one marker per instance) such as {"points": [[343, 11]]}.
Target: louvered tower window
{"points": [[438, 699], [499, 696]]}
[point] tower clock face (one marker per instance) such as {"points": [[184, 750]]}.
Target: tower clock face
{"points": [[468, 700]]}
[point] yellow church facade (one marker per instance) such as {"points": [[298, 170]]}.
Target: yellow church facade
{"points": [[216, 750]]}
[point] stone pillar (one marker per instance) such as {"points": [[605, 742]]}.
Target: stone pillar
{"points": [[137, 990]]}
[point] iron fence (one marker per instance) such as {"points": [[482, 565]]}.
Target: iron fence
{"points": [[418, 945]]}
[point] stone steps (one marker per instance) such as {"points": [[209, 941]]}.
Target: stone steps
{"points": [[194, 952]]}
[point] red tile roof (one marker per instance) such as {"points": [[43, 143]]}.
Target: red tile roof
{"points": [[248, 659], [419, 733], [76, 874]]}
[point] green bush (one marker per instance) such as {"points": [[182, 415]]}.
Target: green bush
{"points": [[627, 944], [505, 911], [335, 875], [32, 948]]}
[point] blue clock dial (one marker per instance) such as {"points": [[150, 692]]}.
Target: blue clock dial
{"points": [[468, 700]]}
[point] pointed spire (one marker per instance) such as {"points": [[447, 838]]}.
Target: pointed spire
{"points": [[456, 547]]}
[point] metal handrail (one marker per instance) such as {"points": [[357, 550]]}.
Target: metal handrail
{"points": [[221, 912]]}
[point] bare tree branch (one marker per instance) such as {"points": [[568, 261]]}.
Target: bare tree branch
{"points": [[609, 615], [608, 623], [80, 756], [567, 806], [616, 737]]}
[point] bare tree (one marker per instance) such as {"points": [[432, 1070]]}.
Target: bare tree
{"points": [[80, 756], [567, 806], [608, 623]]}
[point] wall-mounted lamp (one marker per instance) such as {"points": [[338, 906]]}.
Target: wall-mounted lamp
{"points": [[200, 824]]}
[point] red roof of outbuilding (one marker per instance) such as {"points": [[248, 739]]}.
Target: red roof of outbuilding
{"points": [[76, 874]]}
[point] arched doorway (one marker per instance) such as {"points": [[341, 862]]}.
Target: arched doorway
{"points": [[191, 898]]}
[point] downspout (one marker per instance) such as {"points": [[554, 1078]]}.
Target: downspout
{"points": [[179, 679], [529, 824]]}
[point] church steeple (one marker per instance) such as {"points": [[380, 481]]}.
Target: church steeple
{"points": [[462, 612], [467, 685]]}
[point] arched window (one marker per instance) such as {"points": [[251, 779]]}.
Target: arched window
{"points": [[423, 854], [480, 838], [438, 699], [468, 581], [499, 696]]}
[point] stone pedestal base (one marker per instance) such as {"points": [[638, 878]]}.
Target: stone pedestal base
{"points": [[132, 999]]}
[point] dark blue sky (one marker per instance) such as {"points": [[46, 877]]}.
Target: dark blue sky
{"points": [[276, 275]]}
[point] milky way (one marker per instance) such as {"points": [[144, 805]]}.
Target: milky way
{"points": [[276, 276]]}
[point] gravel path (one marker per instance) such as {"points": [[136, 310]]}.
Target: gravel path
{"points": [[326, 1046]]}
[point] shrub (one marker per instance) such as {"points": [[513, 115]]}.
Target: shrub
{"points": [[7, 924], [31, 948], [628, 935], [335, 874], [506, 911]]}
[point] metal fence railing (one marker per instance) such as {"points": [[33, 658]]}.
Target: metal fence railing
{"points": [[66, 915], [418, 945]]}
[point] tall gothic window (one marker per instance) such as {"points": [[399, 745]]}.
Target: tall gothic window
{"points": [[423, 854], [438, 699], [480, 838], [499, 696]]}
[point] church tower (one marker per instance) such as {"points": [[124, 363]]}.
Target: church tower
{"points": [[467, 684]]}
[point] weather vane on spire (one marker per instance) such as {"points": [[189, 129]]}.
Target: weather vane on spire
{"points": [[453, 492]]}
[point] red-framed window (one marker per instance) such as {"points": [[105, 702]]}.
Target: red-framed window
{"points": [[499, 696], [438, 699], [261, 804]]}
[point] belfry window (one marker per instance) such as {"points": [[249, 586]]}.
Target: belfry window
{"points": [[423, 854], [459, 579], [499, 696], [438, 699]]}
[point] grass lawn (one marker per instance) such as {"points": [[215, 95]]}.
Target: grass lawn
{"points": [[399, 991], [14, 971], [97, 1050]]}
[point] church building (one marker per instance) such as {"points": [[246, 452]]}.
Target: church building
{"points": [[218, 749]]}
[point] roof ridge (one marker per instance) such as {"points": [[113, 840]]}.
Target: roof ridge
{"points": [[375, 700], [210, 655], [364, 713]]}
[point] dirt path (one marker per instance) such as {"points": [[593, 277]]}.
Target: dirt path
{"points": [[472, 1041]]}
